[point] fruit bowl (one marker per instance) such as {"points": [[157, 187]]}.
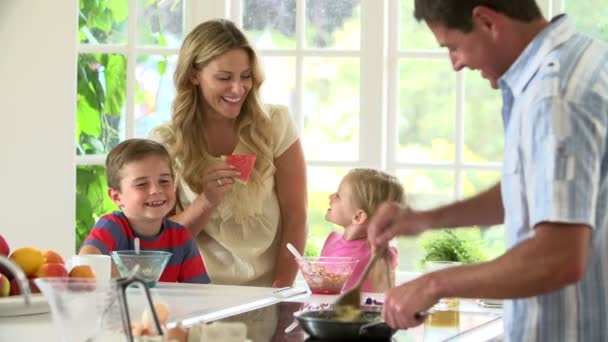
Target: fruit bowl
{"points": [[151, 264], [326, 275]]}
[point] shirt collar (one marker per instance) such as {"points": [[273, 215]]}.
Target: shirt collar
{"points": [[525, 66]]}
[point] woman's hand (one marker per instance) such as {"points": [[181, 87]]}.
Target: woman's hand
{"points": [[217, 182]]}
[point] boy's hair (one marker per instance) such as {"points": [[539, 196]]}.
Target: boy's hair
{"points": [[128, 151], [370, 188], [457, 14]]}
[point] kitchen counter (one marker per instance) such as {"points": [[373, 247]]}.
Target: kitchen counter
{"points": [[267, 313]]}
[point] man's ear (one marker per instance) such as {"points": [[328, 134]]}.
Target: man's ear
{"points": [[115, 196], [360, 217], [486, 19]]}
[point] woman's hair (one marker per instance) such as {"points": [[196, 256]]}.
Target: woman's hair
{"points": [[184, 135], [370, 188], [129, 151], [457, 14]]}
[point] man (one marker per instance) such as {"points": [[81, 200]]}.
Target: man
{"points": [[554, 190]]}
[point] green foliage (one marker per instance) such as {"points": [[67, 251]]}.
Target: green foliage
{"points": [[451, 245], [92, 200]]}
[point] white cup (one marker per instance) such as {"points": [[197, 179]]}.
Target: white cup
{"points": [[100, 263]]}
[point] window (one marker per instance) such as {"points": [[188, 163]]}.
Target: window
{"points": [[366, 84], [127, 54]]}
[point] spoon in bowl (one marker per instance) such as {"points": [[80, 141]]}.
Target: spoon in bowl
{"points": [[299, 256]]}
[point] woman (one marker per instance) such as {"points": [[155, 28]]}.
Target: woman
{"points": [[241, 230]]}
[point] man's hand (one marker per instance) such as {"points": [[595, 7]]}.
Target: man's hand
{"points": [[392, 220], [402, 303]]}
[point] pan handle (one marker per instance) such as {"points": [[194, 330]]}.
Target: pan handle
{"points": [[418, 315], [366, 326]]}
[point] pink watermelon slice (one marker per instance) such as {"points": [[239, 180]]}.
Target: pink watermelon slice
{"points": [[243, 163]]}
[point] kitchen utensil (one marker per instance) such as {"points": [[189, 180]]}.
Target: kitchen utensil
{"points": [[351, 299], [136, 245], [86, 310], [298, 256], [323, 324]]}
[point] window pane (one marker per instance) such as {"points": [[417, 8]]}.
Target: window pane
{"points": [[103, 22], [334, 24], [484, 138], [427, 101], [154, 91], [493, 237], [473, 182], [92, 199], [270, 24], [331, 108], [279, 86], [425, 189], [589, 16], [326, 182], [413, 35], [160, 22], [101, 100]]}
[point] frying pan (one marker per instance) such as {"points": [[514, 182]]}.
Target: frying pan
{"points": [[323, 325]]}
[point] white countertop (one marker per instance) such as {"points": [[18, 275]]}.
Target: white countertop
{"points": [[205, 303]]}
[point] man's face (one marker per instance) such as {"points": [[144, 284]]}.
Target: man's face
{"points": [[476, 50]]}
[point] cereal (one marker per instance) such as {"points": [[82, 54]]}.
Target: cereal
{"points": [[322, 281]]}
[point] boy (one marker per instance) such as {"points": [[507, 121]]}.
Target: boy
{"points": [[140, 180]]}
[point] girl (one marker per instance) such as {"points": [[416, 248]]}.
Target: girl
{"points": [[351, 207]]}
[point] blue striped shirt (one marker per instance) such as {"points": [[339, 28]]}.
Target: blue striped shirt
{"points": [[555, 115]]}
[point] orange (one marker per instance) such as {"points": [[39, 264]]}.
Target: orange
{"points": [[81, 271], [52, 257]]}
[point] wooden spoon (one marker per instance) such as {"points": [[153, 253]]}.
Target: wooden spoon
{"points": [[350, 301]]}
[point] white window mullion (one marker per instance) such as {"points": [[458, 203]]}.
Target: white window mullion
{"points": [[557, 6], [372, 116], [131, 63], [300, 30], [199, 11], [392, 107], [235, 10], [459, 134]]}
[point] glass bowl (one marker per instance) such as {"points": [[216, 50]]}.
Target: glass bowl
{"points": [[151, 264], [326, 275]]}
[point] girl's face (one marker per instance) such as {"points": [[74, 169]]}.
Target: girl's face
{"points": [[225, 83], [147, 191], [341, 208]]}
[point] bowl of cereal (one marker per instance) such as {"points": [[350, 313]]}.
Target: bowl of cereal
{"points": [[326, 275]]}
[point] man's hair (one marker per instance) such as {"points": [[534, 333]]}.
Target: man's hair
{"points": [[457, 14], [370, 188], [128, 151]]}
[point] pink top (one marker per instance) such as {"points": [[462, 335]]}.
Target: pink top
{"points": [[336, 246]]}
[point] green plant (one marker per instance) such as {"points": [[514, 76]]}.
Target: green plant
{"points": [[448, 245]]}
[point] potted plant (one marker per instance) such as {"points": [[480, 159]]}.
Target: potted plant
{"points": [[449, 248]]}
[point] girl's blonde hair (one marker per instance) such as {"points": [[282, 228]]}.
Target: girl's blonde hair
{"points": [[370, 188], [183, 136]]}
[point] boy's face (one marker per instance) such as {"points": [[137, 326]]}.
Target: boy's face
{"points": [[341, 209], [147, 191]]}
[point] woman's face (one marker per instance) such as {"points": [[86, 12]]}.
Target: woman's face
{"points": [[225, 83]]}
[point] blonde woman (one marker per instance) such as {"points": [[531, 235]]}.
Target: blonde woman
{"points": [[241, 229], [359, 195]]}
